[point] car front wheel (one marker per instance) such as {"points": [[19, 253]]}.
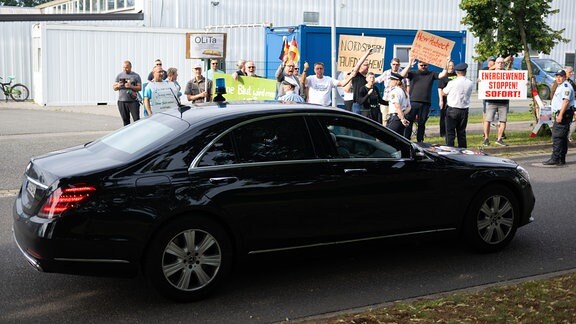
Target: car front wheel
{"points": [[188, 258], [492, 219]]}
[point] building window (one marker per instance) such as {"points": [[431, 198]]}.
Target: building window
{"points": [[91, 6], [402, 52], [569, 59]]}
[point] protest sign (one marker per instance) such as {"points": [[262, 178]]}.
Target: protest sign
{"points": [[162, 95], [502, 84], [431, 49], [247, 88], [351, 48], [205, 45]]}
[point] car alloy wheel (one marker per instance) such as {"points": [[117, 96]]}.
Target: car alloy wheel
{"points": [[188, 259], [492, 220], [191, 260]]}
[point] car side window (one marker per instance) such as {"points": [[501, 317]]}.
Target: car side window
{"points": [[220, 153], [355, 139], [272, 139]]}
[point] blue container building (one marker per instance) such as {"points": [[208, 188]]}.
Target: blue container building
{"points": [[314, 45]]}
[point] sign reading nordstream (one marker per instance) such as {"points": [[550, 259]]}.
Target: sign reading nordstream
{"points": [[351, 48], [500, 84]]}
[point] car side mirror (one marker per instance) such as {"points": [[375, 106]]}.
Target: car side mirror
{"points": [[417, 153]]}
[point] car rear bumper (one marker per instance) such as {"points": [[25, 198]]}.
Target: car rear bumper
{"points": [[36, 240]]}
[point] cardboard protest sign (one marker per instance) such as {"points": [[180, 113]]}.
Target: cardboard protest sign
{"points": [[351, 48], [431, 49], [247, 88], [502, 84]]}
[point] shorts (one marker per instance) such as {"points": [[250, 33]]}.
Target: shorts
{"points": [[384, 110], [492, 108]]}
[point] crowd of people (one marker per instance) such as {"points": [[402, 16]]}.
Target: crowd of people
{"points": [[406, 98]]}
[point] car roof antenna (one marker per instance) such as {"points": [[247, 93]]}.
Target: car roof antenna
{"points": [[181, 108]]}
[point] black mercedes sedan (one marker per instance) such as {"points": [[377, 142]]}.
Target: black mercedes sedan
{"points": [[182, 195]]}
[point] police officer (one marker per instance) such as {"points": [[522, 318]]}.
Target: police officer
{"points": [[399, 104], [562, 110], [457, 92]]}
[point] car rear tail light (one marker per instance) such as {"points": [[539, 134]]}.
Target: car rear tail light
{"points": [[63, 199]]}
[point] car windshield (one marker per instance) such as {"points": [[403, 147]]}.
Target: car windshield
{"points": [[139, 136], [548, 65]]}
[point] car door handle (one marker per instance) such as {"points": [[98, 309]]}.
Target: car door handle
{"points": [[354, 171], [223, 180]]}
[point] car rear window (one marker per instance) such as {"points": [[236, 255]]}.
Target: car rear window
{"points": [[139, 136]]}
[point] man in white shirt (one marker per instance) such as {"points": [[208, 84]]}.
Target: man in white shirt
{"points": [[318, 87], [458, 92]]}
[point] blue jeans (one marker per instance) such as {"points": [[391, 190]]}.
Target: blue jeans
{"points": [[420, 110], [356, 108]]}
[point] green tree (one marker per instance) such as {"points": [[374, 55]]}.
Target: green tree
{"points": [[507, 27]]}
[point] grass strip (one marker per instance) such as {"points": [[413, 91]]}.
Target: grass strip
{"points": [[550, 300]]}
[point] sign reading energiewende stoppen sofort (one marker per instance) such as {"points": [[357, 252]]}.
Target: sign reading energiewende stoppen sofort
{"points": [[502, 84]]}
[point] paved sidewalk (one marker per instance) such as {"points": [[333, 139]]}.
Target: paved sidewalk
{"points": [[107, 110]]}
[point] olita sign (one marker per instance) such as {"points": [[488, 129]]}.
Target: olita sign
{"points": [[205, 45]]}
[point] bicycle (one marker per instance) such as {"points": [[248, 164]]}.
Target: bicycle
{"points": [[18, 92]]}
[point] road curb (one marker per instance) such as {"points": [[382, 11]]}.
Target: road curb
{"points": [[473, 289]]}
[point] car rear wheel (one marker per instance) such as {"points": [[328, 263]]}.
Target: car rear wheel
{"points": [[492, 219], [188, 259]]}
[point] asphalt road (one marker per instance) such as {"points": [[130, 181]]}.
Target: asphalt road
{"points": [[269, 288]]}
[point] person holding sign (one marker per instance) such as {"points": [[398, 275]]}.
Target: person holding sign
{"points": [[493, 107], [421, 82], [159, 94], [359, 79], [214, 64], [563, 111], [286, 71], [198, 89]]}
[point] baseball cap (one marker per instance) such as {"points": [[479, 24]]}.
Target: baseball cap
{"points": [[561, 73], [289, 81], [461, 67], [395, 76]]}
